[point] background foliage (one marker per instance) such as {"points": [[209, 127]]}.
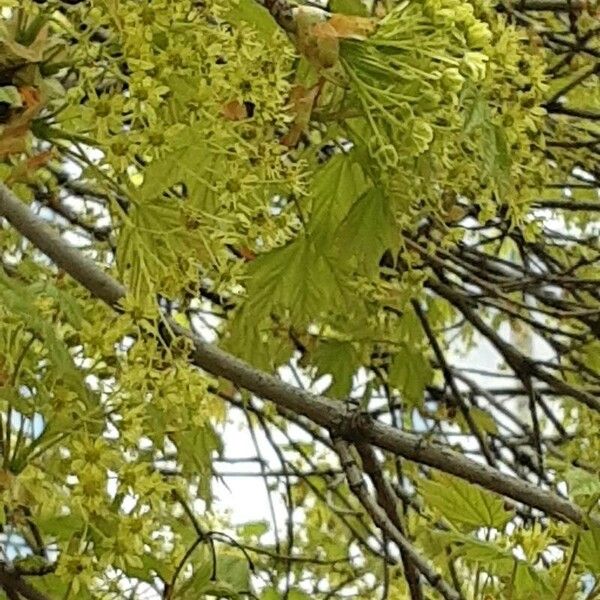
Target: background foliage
{"points": [[357, 197]]}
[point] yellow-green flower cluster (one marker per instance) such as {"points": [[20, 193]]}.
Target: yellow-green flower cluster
{"points": [[452, 103], [408, 74]]}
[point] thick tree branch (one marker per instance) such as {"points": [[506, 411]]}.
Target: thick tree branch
{"points": [[323, 411], [52, 245]]}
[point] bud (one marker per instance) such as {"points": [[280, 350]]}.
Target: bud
{"points": [[478, 35], [429, 100], [473, 65], [452, 80], [421, 135]]}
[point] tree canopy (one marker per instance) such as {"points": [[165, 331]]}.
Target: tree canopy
{"points": [[367, 231]]}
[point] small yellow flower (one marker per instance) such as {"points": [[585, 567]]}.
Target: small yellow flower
{"points": [[474, 65], [92, 452], [452, 80], [76, 569], [91, 490], [421, 135], [146, 96], [479, 35]]}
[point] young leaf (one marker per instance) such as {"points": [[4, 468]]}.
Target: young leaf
{"points": [[349, 7], [484, 420], [252, 13], [581, 483], [254, 528], [477, 113], [9, 94], [410, 373], [339, 360], [295, 278], [302, 100], [464, 505], [352, 27], [367, 231], [185, 163], [335, 188], [233, 569], [589, 547]]}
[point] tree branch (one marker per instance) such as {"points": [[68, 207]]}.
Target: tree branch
{"points": [[52, 245], [14, 583], [567, 204], [388, 500], [382, 520], [323, 411], [448, 377]]}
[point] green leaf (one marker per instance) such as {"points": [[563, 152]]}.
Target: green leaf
{"points": [[482, 419], [68, 305], [338, 359], [62, 527], [195, 449], [410, 372], [220, 589], [150, 243], [296, 594], [251, 12], [530, 583], [233, 569], [497, 559], [589, 547], [581, 483], [189, 162], [150, 566], [296, 279], [250, 338], [349, 7], [18, 299], [203, 568], [367, 231], [9, 94], [254, 528], [466, 506], [495, 153], [184, 89], [409, 329], [59, 586], [335, 188], [293, 594], [503, 160], [477, 112]]}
